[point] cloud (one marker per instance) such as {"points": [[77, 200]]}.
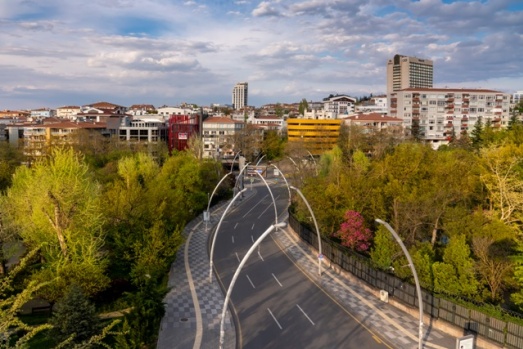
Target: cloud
{"points": [[265, 9]]}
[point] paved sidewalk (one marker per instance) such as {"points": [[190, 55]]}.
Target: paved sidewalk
{"points": [[194, 306]]}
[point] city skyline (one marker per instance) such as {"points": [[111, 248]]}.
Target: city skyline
{"points": [[167, 52]]}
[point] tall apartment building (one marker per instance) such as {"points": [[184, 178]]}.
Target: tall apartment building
{"points": [[240, 95], [443, 112], [404, 72]]}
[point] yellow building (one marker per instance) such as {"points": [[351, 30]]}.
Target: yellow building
{"points": [[317, 136]]}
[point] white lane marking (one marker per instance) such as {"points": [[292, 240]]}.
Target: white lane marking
{"points": [[259, 202], [232, 239], [252, 238], [261, 214], [248, 278], [278, 281], [277, 323], [199, 327], [238, 257], [260, 255], [235, 225], [307, 316], [253, 226]]}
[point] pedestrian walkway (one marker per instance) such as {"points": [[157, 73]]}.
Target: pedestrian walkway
{"points": [[194, 305]]}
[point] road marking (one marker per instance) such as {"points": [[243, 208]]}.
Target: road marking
{"points": [[232, 239], [377, 339], [235, 225], [248, 278], [275, 278], [261, 214], [252, 239], [252, 228], [307, 316], [238, 257], [263, 260], [255, 206], [277, 323], [197, 310]]}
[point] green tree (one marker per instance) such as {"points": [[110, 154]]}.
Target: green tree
{"points": [[56, 204], [74, 316], [455, 274], [303, 107], [273, 145], [476, 136], [384, 249]]}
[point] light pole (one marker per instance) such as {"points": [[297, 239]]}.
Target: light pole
{"points": [[272, 196], [237, 272], [315, 163], [238, 153], [320, 255], [413, 269], [218, 228], [260, 160], [210, 198], [285, 179]]}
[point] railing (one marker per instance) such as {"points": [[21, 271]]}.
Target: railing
{"points": [[503, 332]]}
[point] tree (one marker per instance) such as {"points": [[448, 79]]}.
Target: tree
{"points": [[455, 274], [272, 145], [56, 204], [353, 233], [74, 317], [476, 136], [303, 107], [384, 249]]}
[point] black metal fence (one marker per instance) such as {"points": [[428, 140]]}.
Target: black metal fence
{"points": [[508, 334]]}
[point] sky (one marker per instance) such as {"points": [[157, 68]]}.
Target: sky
{"points": [[55, 53]]}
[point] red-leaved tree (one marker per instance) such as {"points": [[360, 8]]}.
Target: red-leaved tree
{"points": [[353, 232]]}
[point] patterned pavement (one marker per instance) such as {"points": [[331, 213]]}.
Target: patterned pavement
{"points": [[190, 275]]}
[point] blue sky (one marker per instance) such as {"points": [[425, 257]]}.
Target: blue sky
{"points": [[164, 52]]}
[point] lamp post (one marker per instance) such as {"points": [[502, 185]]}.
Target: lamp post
{"points": [[232, 165], [315, 163], [413, 269], [237, 272], [320, 255], [285, 179], [260, 160], [210, 198], [218, 228], [272, 196]]}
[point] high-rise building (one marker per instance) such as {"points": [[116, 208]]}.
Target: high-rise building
{"points": [[239, 95], [404, 72]]}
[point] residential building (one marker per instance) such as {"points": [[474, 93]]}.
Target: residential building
{"points": [[317, 136], [240, 95], [438, 113], [14, 114], [333, 107], [37, 136], [42, 113], [375, 122], [218, 134], [67, 112], [517, 97], [377, 104], [141, 109], [143, 129], [181, 128], [273, 123], [404, 72], [106, 107], [166, 112]]}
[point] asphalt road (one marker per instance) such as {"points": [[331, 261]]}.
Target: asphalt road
{"points": [[278, 306]]}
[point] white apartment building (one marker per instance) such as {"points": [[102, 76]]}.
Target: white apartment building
{"points": [[404, 72], [240, 94], [378, 105], [517, 97], [217, 133], [334, 107], [443, 111], [67, 112], [143, 129]]}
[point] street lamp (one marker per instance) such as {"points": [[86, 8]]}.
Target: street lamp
{"points": [[210, 198], [285, 179], [260, 160], [320, 255], [237, 272], [238, 153], [218, 228], [272, 196], [413, 269]]}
